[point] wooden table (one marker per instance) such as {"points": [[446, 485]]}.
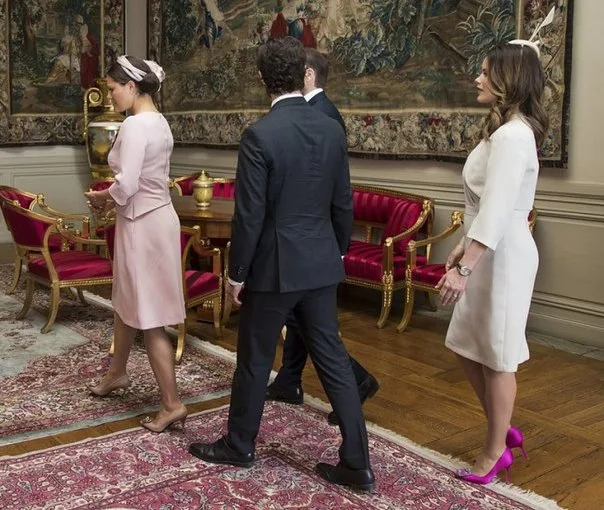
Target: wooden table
{"points": [[214, 222]]}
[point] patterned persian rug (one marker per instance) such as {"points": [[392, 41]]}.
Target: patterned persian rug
{"points": [[44, 378], [137, 469]]}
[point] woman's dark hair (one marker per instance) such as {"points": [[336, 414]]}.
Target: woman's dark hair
{"points": [[281, 63], [517, 80], [148, 85]]}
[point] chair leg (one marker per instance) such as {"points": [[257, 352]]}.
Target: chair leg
{"points": [[81, 297], [217, 322], [409, 300], [112, 346], [55, 298], [386, 304], [29, 295], [16, 275], [180, 342], [430, 301]]}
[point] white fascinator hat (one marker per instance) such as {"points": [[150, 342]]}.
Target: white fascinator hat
{"points": [[533, 41]]}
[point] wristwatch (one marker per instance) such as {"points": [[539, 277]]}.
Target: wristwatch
{"points": [[463, 270]]}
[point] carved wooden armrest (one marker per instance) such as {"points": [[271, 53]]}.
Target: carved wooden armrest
{"points": [[456, 222], [75, 236]]}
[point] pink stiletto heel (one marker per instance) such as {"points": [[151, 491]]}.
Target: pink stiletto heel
{"points": [[515, 439], [504, 462]]}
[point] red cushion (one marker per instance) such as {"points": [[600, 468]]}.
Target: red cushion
{"points": [[100, 185], [224, 190], [12, 194], [26, 231], [370, 206], [200, 282], [55, 242], [429, 274], [186, 183], [403, 216], [73, 265], [364, 260]]}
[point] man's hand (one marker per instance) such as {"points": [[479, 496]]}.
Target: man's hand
{"points": [[233, 291]]}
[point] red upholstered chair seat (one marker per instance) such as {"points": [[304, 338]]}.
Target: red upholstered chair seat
{"points": [[429, 274], [200, 282], [364, 260], [72, 265]]}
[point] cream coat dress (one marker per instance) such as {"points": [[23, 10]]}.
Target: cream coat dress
{"points": [[500, 178], [147, 275]]}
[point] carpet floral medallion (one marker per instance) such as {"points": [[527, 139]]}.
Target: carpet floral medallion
{"points": [[44, 378], [136, 469]]}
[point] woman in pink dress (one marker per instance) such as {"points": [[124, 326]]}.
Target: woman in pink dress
{"points": [[147, 277]]}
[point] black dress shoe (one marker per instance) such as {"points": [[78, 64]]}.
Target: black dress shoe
{"points": [[290, 395], [367, 389], [357, 479], [221, 453]]}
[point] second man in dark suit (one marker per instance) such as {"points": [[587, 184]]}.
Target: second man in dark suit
{"points": [[287, 386]]}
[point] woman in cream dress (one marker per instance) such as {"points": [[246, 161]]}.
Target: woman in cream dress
{"points": [[491, 272], [147, 276]]}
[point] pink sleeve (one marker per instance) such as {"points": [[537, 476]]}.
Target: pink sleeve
{"points": [[133, 141]]}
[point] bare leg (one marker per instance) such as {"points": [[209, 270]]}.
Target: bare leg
{"points": [[117, 376], [500, 394], [475, 373], [161, 358]]}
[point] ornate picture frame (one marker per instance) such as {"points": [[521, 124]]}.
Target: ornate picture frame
{"points": [[50, 52], [401, 72]]}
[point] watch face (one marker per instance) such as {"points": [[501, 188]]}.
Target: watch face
{"points": [[464, 270]]}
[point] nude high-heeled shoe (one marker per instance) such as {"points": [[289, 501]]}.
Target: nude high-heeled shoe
{"points": [[158, 424], [515, 439], [105, 387], [504, 462]]}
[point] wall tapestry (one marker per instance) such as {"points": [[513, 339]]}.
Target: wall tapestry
{"points": [[50, 52], [401, 71]]}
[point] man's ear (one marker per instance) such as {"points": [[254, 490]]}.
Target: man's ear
{"points": [[261, 79]]}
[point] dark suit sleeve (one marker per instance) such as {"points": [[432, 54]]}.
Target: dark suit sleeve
{"points": [[341, 202], [250, 205]]}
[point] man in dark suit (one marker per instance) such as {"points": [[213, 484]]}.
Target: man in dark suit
{"points": [[292, 224], [287, 386]]}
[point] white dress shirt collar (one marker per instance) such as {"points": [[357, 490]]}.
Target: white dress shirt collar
{"points": [[285, 96], [312, 93]]}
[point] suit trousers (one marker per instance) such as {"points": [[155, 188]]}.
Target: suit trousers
{"points": [[294, 359], [261, 318]]}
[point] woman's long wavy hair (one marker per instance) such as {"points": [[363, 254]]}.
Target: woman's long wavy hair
{"points": [[517, 80]]}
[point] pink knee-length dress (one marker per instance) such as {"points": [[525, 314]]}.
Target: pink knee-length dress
{"points": [[147, 274]]}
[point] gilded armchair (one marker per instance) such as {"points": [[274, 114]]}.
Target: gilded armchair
{"points": [[401, 217], [75, 268], [56, 242]]}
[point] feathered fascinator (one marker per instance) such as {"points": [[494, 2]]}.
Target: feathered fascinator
{"points": [[533, 41]]}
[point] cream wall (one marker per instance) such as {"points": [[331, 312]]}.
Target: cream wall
{"points": [[569, 294]]}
